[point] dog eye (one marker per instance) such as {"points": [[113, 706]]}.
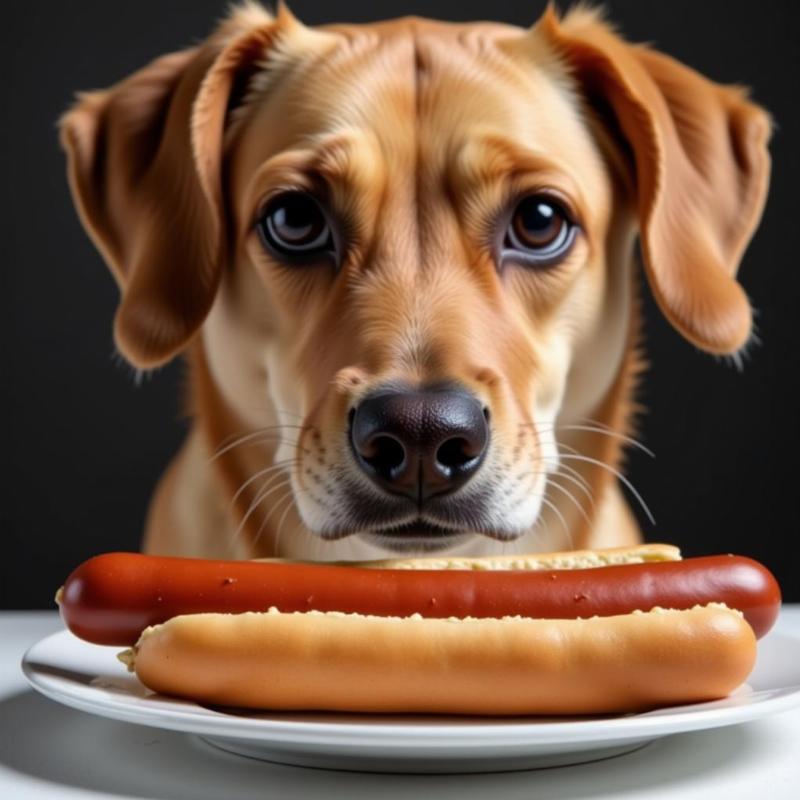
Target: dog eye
{"points": [[540, 230], [294, 225]]}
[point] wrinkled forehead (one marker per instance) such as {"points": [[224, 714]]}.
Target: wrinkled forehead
{"points": [[417, 95]]}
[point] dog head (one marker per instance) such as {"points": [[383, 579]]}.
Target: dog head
{"points": [[410, 244]]}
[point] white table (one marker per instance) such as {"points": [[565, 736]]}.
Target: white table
{"points": [[49, 751]]}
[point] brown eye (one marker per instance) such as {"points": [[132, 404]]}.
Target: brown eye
{"points": [[293, 224], [540, 229]]}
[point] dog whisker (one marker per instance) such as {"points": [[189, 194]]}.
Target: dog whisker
{"points": [[619, 475], [583, 486], [282, 520], [564, 467], [267, 515], [233, 438], [605, 431], [558, 474], [280, 477], [259, 498], [595, 423], [580, 508], [261, 473], [271, 511], [262, 433], [290, 495], [630, 440], [564, 470], [555, 510], [540, 521]]}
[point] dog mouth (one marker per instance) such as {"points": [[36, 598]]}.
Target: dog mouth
{"points": [[398, 526], [415, 535]]}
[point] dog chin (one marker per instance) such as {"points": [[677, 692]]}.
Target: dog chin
{"points": [[418, 537], [398, 543], [421, 537]]}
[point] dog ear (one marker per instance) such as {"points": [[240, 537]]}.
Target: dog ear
{"points": [[144, 166], [701, 171]]}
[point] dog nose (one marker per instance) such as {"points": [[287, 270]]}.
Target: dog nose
{"points": [[420, 443]]}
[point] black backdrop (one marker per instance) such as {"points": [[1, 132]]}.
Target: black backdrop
{"points": [[84, 445]]}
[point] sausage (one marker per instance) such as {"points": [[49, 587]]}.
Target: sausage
{"points": [[110, 599]]}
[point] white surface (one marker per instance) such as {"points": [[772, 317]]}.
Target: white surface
{"points": [[90, 678], [49, 751]]}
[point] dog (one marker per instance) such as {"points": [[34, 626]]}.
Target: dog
{"points": [[400, 262]]}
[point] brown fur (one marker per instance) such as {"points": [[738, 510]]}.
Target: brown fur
{"points": [[417, 132]]}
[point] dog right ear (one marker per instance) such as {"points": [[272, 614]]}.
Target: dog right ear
{"points": [[144, 166], [700, 164]]}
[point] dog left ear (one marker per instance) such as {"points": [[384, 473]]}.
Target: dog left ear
{"points": [[701, 171], [144, 160]]}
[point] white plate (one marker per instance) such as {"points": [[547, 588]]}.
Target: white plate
{"points": [[90, 678]]}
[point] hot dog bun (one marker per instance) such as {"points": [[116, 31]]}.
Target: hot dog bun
{"points": [[568, 559], [514, 665]]}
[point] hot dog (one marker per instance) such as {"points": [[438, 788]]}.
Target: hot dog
{"points": [[112, 598], [627, 629]]}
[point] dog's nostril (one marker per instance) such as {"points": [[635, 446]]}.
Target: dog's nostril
{"points": [[419, 443], [486, 413], [384, 453], [455, 452]]}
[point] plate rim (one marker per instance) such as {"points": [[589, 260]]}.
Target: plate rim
{"points": [[490, 734]]}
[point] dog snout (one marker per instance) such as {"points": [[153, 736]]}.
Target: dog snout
{"points": [[420, 443]]}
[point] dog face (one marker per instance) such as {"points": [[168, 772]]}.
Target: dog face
{"points": [[420, 272], [409, 245]]}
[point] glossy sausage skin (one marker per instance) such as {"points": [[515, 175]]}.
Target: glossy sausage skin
{"points": [[111, 598]]}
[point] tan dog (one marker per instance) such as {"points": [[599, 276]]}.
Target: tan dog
{"points": [[400, 260]]}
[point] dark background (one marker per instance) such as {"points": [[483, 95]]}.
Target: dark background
{"points": [[85, 445]]}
